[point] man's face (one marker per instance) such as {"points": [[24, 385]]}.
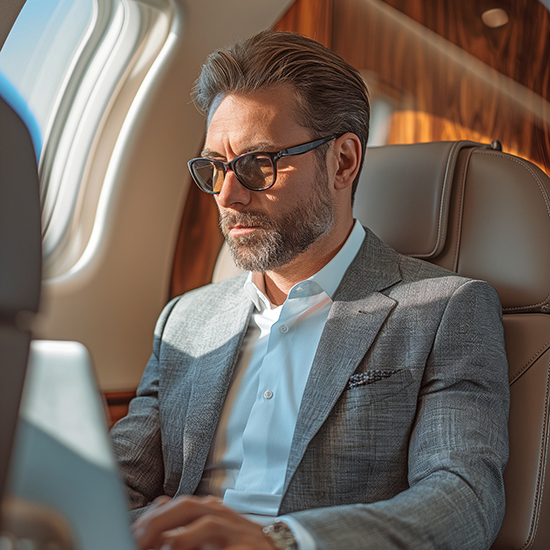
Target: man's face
{"points": [[266, 230]]}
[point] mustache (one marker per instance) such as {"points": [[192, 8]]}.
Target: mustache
{"points": [[228, 220]]}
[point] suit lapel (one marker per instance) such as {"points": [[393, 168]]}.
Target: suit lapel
{"points": [[211, 376], [356, 316]]}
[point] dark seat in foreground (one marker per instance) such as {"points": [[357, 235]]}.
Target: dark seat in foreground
{"points": [[20, 268], [484, 214], [20, 282]]}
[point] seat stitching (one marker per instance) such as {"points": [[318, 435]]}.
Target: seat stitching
{"points": [[447, 189], [445, 199], [516, 308], [458, 229], [540, 473], [544, 194], [452, 159], [530, 362], [542, 464]]}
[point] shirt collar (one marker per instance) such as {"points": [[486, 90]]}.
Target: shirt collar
{"points": [[255, 288], [326, 279]]}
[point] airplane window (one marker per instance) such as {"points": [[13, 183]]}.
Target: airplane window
{"points": [[38, 56], [72, 69]]}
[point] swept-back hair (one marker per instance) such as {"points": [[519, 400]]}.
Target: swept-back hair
{"points": [[332, 98]]}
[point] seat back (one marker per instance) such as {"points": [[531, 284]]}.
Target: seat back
{"points": [[484, 214], [20, 268]]}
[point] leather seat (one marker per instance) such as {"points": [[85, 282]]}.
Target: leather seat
{"points": [[484, 214]]}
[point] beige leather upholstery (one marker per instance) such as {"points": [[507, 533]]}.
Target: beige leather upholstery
{"points": [[484, 214]]}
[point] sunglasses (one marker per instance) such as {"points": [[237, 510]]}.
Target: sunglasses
{"points": [[255, 171]]}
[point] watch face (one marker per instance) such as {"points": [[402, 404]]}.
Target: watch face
{"points": [[281, 536]]}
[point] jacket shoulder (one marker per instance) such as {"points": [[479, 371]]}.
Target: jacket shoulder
{"points": [[212, 299]]}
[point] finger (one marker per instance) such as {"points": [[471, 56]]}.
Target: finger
{"points": [[159, 501], [181, 511], [220, 532]]}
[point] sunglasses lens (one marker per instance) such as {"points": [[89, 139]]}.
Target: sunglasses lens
{"points": [[208, 175], [255, 170]]}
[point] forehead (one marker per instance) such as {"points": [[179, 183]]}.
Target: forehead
{"points": [[239, 122]]}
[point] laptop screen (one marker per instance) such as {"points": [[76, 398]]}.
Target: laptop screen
{"points": [[63, 456]]}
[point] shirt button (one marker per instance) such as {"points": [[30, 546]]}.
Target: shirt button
{"points": [[283, 329], [268, 394]]}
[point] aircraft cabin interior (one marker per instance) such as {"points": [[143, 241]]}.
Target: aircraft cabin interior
{"points": [[101, 223]]}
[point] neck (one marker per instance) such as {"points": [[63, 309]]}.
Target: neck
{"points": [[279, 282]]}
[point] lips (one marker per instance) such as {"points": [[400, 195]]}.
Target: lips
{"points": [[243, 223], [242, 229]]}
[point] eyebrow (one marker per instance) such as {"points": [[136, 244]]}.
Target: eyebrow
{"points": [[209, 153], [262, 147]]}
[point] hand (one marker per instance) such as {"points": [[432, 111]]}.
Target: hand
{"points": [[197, 523]]}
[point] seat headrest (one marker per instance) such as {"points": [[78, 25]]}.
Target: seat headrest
{"points": [[20, 228], [465, 206]]}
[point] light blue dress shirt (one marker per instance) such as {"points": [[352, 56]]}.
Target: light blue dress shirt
{"points": [[247, 462]]}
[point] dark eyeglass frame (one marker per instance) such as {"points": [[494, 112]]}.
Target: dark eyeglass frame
{"points": [[274, 157]]}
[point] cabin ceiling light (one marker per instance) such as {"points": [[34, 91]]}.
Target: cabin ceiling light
{"points": [[495, 18]]}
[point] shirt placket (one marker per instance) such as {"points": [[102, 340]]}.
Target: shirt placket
{"points": [[266, 438]]}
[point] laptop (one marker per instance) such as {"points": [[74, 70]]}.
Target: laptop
{"points": [[62, 453]]}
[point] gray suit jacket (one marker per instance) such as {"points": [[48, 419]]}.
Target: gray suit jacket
{"points": [[401, 437]]}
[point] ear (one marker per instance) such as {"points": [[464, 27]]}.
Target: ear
{"points": [[347, 154]]}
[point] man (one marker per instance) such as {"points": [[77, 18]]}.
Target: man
{"points": [[357, 395]]}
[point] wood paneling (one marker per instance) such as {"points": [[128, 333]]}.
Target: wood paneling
{"points": [[455, 88], [444, 84], [311, 18], [117, 405], [199, 243], [518, 49]]}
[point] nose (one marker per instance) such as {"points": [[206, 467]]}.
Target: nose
{"points": [[232, 194]]}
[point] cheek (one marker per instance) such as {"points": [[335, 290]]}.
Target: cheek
{"points": [[280, 204], [297, 187]]}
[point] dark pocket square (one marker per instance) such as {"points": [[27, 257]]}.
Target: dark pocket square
{"points": [[369, 377]]}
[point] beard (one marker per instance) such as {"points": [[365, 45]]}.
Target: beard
{"points": [[277, 241]]}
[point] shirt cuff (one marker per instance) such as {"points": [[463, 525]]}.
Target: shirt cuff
{"points": [[303, 537]]}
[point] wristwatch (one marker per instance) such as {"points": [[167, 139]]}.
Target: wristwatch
{"points": [[281, 536]]}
